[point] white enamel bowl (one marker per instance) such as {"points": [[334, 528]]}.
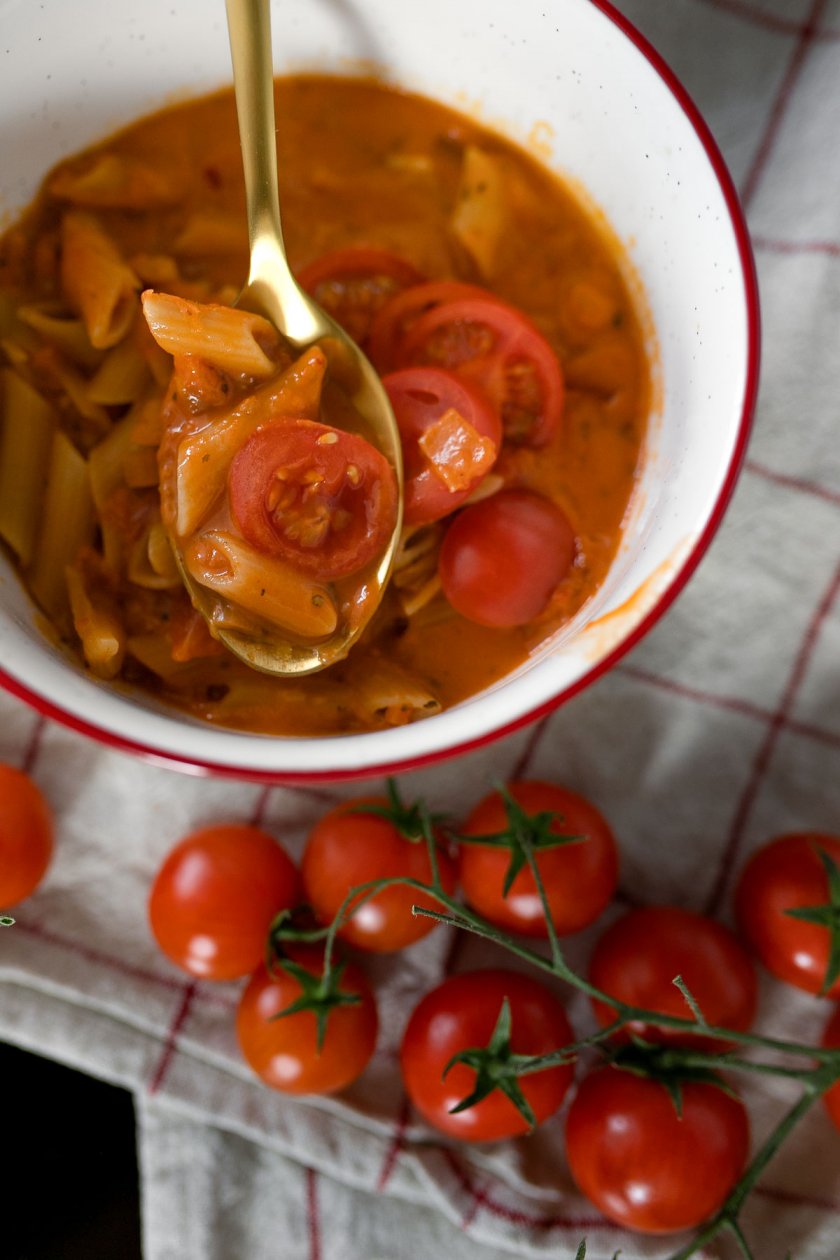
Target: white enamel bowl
{"points": [[618, 125]]}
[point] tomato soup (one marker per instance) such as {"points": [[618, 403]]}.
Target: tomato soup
{"points": [[492, 302]]}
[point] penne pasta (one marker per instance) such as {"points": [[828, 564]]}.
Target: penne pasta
{"points": [[123, 374], [101, 633], [66, 526], [151, 563], [156, 270], [209, 232], [26, 437], [153, 652], [231, 339], [99, 285], [147, 421], [481, 208], [391, 696], [110, 181], [75, 386], [67, 335], [261, 585]]}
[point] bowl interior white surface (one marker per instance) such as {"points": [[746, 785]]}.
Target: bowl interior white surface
{"points": [[77, 72]]}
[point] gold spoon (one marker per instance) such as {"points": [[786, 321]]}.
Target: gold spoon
{"points": [[271, 290]]}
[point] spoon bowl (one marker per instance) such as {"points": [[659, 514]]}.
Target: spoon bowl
{"points": [[272, 291]]}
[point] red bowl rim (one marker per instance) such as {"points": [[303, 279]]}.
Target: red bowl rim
{"points": [[302, 777]]}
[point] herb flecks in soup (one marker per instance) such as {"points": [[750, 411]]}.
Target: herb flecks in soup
{"points": [[492, 305]]}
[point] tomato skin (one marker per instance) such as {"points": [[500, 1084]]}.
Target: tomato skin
{"points": [[495, 345], [347, 848], [502, 558], [461, 1014], [579, 879], [393, 322], [26, 836], [783, 875], [284, 1052], [330, 529], [427, 499], [353, 284], [641, 1164], [215, 896], [638, 957], [831, 1039]]}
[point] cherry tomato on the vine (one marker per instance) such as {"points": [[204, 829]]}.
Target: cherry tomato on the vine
{"points": [[283, 1049], [495, 345], [831, 1039], [462, 1014], [353, 284], [450, 436], [352, 845], [579, 877], [26, 836], [787, 908], [215, 896], [502, 559], [317, 497], [643, 1165], [639, 956]]}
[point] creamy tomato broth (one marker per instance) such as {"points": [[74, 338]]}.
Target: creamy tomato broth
{"points": [[491, 302]]}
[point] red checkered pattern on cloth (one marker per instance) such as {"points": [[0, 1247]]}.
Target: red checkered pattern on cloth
{"points": [[722, 729]]}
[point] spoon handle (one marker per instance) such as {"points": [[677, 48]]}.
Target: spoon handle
{"points": [[271, 289]]}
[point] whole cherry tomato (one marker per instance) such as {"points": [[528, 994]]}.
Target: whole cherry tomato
{"points": [[462, 1014], [353, 284], [321, 499], [502, 559], [639, 956], [450, 438], [354, 844], [645, 1166], [831, 1039], [283, 1049], [787, 904], [26, 836], [215, 896], [579, 877]]}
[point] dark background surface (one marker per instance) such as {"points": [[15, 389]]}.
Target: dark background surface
{"points": [[70, 1190]]}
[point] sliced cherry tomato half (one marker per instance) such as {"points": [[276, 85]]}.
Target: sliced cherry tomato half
{"points": [[26, 836], [502, 558], [353, 284], [643, 1164], [392, 323], [214, 898], [579, 877], [283, 1049], [321, 499], [462, 1014], [450, 436], [638, 957], [787, 912], [352, 845], [496, 346]]}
